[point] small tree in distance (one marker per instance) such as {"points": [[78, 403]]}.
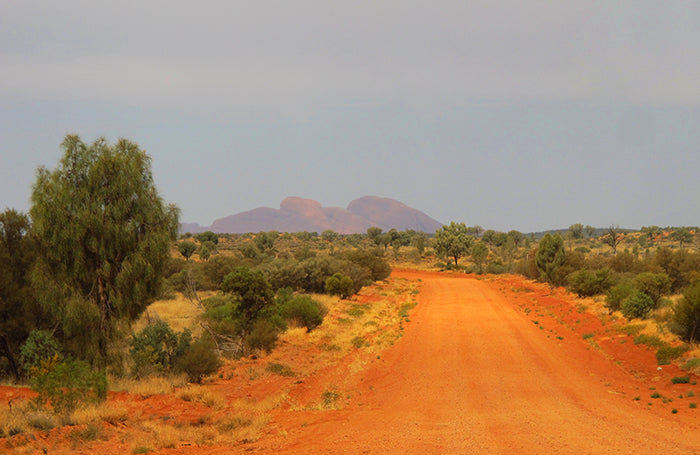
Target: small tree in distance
{"points": [[187, 249], [550, 256], [453, 241], [479, 254], [613, 237]]}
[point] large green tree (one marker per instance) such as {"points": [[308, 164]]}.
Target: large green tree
{"points": [[550, 257], [103, 238], [19, 313], [453, 241]]}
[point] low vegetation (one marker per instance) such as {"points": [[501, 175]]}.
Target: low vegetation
{"points": [[100, 246]]}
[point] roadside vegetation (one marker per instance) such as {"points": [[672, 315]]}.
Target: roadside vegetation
{"points": [[100, 292], [89, 278], [651, 275]]}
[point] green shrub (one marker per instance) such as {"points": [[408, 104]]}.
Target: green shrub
{"points": [[263, 336], [199, 360], [587, 283], [304, 310], [637, 305], [371, 260], [280, 369], [630, 329], [649, 340], [40, 348], [655, 285], [496, 267], [666, 353], [217, 301], [68, 385], [156, 348], [359, 342], [339, 284], [680, 380], [617, 295], [686, 315], [220, 308]]}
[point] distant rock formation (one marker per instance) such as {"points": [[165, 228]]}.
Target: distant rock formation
{"points": [[297, 214]]}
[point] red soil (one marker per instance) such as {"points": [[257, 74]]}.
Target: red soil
{"points": [[486, 365]]}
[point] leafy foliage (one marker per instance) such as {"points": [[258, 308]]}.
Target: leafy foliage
{"points": [[199, 360], [187, 249], [20, 312], [157, 348], [479, 254], [686, 315], [263, 335], [304, 310], [453, 241], [40, 348], [550, 256], [251, 289], [655, 285], [339, 284], [587, 283], [637, 305], [69, 384], [103, 239], [617, 295]]}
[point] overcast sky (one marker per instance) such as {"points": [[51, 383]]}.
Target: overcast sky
{"points": [[525, 115]]}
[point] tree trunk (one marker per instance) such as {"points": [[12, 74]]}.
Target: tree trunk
{"points": [[105, 316]]}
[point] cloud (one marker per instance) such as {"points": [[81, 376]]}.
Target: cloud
{"points": [[263, 57]]}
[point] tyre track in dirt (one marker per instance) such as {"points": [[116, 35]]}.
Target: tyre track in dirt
{"points": [[474, 375]]}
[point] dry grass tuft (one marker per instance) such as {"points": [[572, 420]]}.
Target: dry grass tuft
{"points": [[13, 418], [203, 395], [110, 412], [146, 387]]}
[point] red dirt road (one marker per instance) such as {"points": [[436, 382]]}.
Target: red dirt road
{"points": [[474, 374]]}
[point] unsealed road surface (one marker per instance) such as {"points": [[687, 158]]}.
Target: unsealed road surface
{"points": [[473, 374]]}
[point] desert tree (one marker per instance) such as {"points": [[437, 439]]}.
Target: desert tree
{"points": [[651, 232], [613, 237], [374, 232], [479, 254], [418, 240], [517, 237], [103, 237], [187, 249], [208, 236], [682, 235], [204, 252], [590, 230], [265, 241], [19, 312], [489, 236], [251, 290], [550, 257], [329, 235], [453, 241], [575, 231], [475, 230]]}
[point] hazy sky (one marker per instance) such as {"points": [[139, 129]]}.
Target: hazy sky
{"points": [[525, 115]]}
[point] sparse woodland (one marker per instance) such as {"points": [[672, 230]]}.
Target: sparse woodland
{"points": [[77, 276]]}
